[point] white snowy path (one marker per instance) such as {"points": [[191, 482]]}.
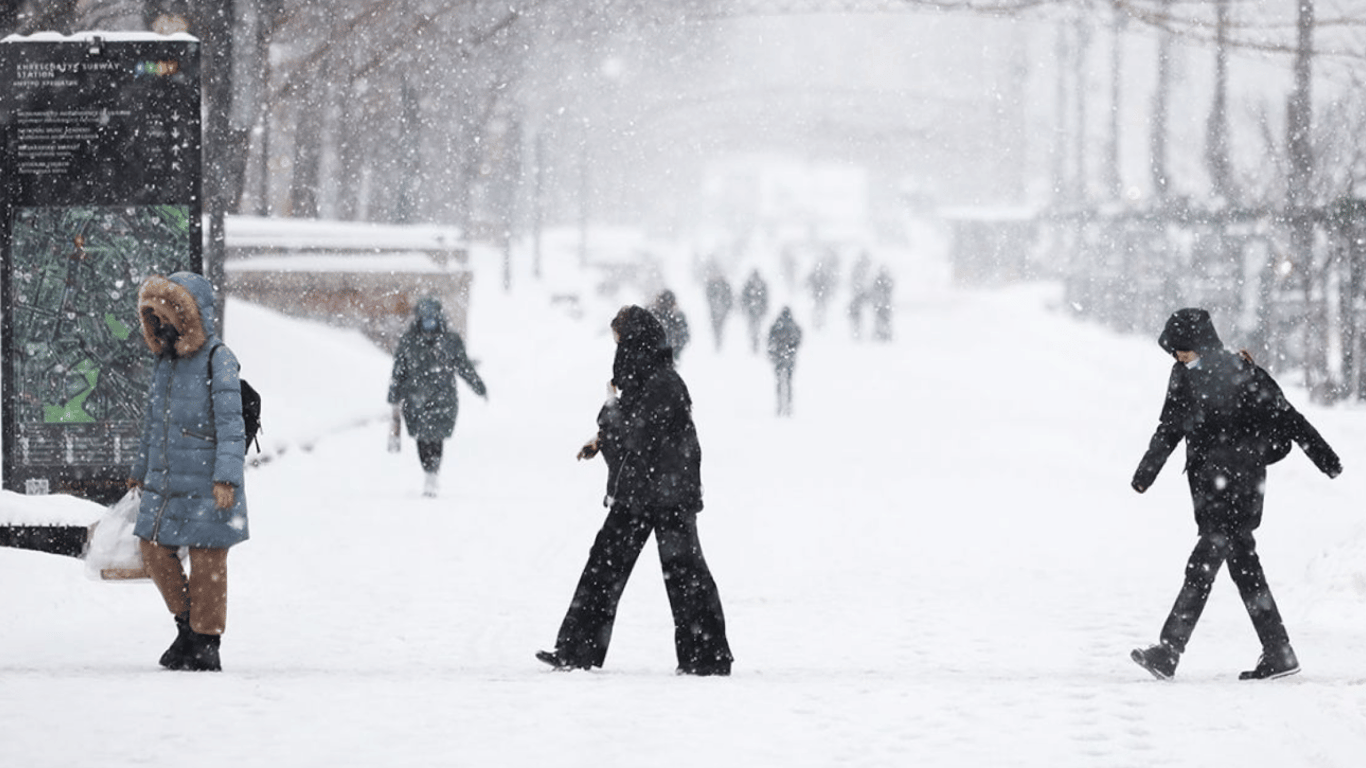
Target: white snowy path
{"points": [[938, 561]]}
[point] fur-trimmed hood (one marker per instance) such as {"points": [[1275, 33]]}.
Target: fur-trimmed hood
{"points": [[184, 300]]}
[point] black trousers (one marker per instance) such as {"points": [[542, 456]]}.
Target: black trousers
{"points": [[1211, 551], [1228, 508], [699, 625], [429, 453]]}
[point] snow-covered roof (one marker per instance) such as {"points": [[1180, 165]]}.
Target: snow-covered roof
{"points": [[108, 37], [285, 234]]}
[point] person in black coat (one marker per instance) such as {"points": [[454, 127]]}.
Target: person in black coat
{"points": [[654, 484], [670, 315], [1235, 421]]}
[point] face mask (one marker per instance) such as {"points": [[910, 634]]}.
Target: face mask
{"points": [[168, 335]]}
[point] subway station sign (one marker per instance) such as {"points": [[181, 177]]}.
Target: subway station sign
{"points": [[101, 177]]}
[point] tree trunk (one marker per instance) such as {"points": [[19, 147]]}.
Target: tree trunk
{"points": [[1216, 130], [1161, 97], [1299, 195]]}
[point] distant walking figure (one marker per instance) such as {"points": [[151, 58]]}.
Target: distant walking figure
{"points": [[719, 301], [754, 300], [783, 339], [1235, 421], [429, 357], [880, 296], [667, 312], [654, 484]]}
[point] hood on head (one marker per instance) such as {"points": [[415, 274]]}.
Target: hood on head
{"points": [[429, 311], [1189, 330], [643, 346], [183, 300]]}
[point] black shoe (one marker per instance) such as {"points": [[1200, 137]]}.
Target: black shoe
{"points": [[175, 656], [1160, 660], [1280, 662], [712, 669], [554, 659], [203, 655]]}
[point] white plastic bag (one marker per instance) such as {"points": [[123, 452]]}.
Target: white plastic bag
{"points": [[112, 552]]}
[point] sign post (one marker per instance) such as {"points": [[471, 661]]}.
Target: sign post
{"points": [[101, 177]]}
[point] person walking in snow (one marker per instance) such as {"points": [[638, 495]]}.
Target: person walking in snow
{"points": [[654, 462], [754, 300], [189, 464], [667, 312], [860, 293], [422, 386], [880, 297], [821, 283], [719, 301], [783, 339], [1235, 421]]}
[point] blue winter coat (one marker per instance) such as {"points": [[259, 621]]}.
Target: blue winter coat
{"points": [[192, 431]]}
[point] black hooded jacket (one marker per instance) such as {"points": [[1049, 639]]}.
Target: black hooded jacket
{"points": [[647, 435], [1231, 413]]}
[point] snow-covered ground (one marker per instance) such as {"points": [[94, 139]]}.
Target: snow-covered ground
{"points": [[938, 561]]}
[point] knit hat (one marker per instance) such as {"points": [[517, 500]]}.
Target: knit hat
{"points": [[1189, 330]]}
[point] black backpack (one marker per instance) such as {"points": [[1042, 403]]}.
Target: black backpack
{"points": [[251, 405], [251, 412]]}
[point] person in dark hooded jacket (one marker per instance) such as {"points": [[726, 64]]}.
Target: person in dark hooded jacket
{"points": [[1235, 421], [189, 464], [422, 386], [649, 442], [784, 337]]}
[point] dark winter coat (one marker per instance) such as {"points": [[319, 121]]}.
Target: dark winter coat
{"points": [[675, 323], [647, 436], [719, 298], [426, 363], [754, 297], [784, 337], [1235, 421], [192, 430]]}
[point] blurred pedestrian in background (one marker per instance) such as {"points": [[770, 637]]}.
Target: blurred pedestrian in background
{"points": [[880, 296], [667, 312], [429, 357], [719, 302], [783, 340], [754, 301]]}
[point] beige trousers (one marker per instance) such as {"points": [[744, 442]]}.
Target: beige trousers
{"points": [[203, 594]]}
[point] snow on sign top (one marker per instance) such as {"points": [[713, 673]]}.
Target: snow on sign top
{"points": [[108, 37]]}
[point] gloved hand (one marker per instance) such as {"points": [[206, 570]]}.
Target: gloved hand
{"points": [[224, 494], [589, 449]]}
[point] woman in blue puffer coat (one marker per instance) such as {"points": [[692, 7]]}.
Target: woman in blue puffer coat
{"points": [[190, 463]]}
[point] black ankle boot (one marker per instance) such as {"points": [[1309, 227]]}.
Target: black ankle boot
{"points": [[203, 653], [175, 656]]}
